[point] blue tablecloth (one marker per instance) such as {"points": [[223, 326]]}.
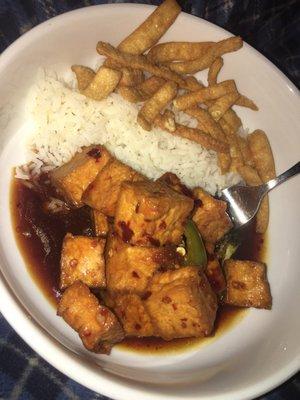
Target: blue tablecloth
{"points": [[271, 26]]}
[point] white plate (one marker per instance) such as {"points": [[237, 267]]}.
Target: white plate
{"points": [[263, 349]]}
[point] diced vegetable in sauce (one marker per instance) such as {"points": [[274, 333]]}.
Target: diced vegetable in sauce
{"points": [[196, 253]]}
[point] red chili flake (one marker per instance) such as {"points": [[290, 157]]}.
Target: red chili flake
{"points": [[73, 263], [162, 225], [174, 307], [137, 327], [137, 207], [183, 324], [166, 299], [166, 256], [135, 274], [86, 333], [94, 243], [183, 319], [127, 233], [95, 153], [146, 295]]}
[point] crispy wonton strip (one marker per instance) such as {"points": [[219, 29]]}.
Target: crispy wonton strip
{"points": [[178, 51], [245, 150], [252, 178], [109, 63], [148, 33], [132, 94], [195, 135], [152, 107], [138, 62], [222, 104], [166, 121], [152, 29], [233, 43], [232, 119], [262, 155], [192, 67], [214, 70], [241, 101], [232, 140], [244, 101], [143, 91], [229, 123], [192, 84], [104, 82], [224, 162], [151, 85], [131, 77], [207, 124], [84, 76], [213, 92]]}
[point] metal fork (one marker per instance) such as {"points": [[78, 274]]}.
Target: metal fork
{"points": [[244, 201]]}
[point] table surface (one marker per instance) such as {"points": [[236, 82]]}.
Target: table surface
{"points": [[271, 26]]}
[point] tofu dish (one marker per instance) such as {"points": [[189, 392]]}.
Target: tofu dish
{"points": [[148, 266], [117, 211]]}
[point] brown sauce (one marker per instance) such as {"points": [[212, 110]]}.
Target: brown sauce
{"points": [[39, 236]]}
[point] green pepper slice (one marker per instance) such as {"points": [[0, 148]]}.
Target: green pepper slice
{"points": [[228, 244], [196, 253]]}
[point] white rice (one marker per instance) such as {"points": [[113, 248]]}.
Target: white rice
{"points": [[63, 121]]}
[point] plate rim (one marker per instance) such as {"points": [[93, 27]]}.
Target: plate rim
{"points": [[30, 328]]}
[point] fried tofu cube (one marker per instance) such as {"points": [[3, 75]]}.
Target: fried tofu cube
{"points": [[247, 284], [72, 178], [133, 315], [181, 304], [129, 268], [210, 217], [97, 326], [82, 258], [101, 225], [151, 214], [102, 194], [215, 276], [175, 183]]}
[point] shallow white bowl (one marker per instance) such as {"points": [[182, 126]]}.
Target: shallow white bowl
{"points": [[255, 355]]}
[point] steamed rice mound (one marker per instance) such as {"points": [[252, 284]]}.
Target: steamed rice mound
{"points": [[63, 121]]}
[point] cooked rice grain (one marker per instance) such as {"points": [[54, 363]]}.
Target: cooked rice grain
{"points": [[65, 120]]}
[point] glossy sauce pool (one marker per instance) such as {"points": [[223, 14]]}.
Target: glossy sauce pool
{"points": [[39, 236]]}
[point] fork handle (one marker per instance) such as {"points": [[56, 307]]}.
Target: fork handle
{"points": [[281, 178]]}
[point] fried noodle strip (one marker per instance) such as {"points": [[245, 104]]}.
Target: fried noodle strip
{"points": [[152, 29], [139, 62], [152, 107]]}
